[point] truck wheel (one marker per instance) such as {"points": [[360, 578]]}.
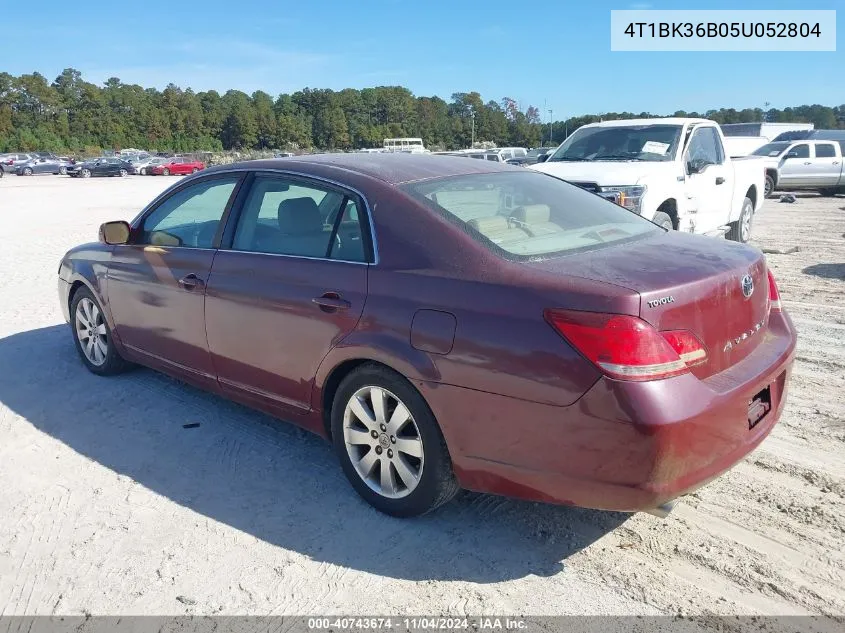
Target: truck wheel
{"points": [[663, 220], [741, 229], [828, 193], [769, 186]]}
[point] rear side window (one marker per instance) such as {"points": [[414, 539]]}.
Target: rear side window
{"points": [[282, 216], [527, 214], [825, 150]]}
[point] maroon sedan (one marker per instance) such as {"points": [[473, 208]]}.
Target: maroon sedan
{"points": [[447, 323]]}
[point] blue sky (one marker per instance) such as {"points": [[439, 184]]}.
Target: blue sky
{"points": [[554, 53]]}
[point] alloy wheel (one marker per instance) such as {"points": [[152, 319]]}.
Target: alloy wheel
{"points": [[745, 226], [91, 331], [383, 442]]}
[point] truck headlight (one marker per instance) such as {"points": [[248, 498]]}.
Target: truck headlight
{"points": [[630, 196]]}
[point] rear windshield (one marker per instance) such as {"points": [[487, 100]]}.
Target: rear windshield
{"points": [[526, 214]]}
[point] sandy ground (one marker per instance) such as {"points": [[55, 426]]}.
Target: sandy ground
{"points": [[110, 506]]}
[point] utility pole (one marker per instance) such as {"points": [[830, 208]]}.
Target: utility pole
{"points": [[472, 115], [551, 129]]}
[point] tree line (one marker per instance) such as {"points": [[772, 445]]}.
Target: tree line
{"points": [[70, 114]]}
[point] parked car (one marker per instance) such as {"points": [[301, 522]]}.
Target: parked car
{"points": [[532, 156], [542, 343], [803, 165], [176, 166], [141, 165], [11, 161], [43, 164], [674, 172], [102, 166]]}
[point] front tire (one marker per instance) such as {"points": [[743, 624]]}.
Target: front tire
{"points": [[194, 170], [741, 229], [663, 220], [389, 444], [92, 336], [86, 173], [828, 193], [769, 186], [62, 171], [166, 172], [27, 171], [123, 173], [143, 171]]}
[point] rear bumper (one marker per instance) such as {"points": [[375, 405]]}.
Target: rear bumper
{"points": [[623, 446]]}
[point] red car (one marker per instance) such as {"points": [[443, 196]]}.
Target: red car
{"points": [[176, 166], [447, 323]]}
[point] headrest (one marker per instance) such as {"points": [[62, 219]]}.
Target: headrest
{"points": [[298, 216], [533, 213], [486, 225]]}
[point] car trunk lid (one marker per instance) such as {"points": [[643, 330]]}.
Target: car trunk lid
{"points": [[687, 282]]}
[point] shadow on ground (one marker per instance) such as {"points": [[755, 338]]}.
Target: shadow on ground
{"points": [[826, 271], [273, 480]]}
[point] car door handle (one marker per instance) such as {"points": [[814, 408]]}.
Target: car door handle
{"points": [[189, 282], [331, 302], [836, 162], [808, 163], [719, 180]]}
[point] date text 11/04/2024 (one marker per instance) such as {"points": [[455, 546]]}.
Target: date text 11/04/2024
{"points": [[433, 623], [723, 29]]}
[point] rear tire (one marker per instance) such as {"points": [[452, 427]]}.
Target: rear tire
{"points": [[663, 220], [828, 193], [741, 229], [62, 171], [88, 321], [194, 170], [424, 461], [123, 173]]}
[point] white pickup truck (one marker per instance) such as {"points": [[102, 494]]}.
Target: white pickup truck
{"points": [[674, 172], [814, 164]]}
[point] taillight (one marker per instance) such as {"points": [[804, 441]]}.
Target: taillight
{"points": [[626, 347], [774, 294]]}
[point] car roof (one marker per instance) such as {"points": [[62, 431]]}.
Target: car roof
{"points": [[391, 168]]}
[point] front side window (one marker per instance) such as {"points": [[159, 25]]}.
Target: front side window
{"points": [[288, 217], [526, 214], [800, 151], [704, 148], [825, 150], [190, 217]]}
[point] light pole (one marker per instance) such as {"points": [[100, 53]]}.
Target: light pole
{"points": [[472, 116], [551, 129]]}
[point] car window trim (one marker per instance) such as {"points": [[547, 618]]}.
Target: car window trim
{"points": [[367, 232], [165, 195]]}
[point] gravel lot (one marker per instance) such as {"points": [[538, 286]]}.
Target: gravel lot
{"points": [[110, 506]]}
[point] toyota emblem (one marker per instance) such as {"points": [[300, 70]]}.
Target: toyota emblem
{"points": [[747, 285]]}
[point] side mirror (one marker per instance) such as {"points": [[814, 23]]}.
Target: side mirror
{"points": [[542, 158], [695, 166], [791, 155], [114, 232]]}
